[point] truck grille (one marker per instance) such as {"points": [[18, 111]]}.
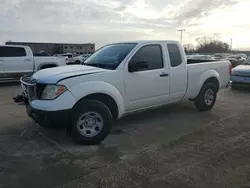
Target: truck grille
{"points": [[31, 91], [39, 90], [29, 87]]}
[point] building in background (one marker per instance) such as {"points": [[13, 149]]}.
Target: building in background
{"points": [[57, 48]]}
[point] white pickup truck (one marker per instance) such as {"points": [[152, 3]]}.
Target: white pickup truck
{"points": [[117, 80], [16, 61]]}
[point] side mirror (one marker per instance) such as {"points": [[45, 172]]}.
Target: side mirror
{"points": [[137, 66]]}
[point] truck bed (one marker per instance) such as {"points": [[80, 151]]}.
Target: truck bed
{"points": [[196, 61], [199, 71], [40, 60]]}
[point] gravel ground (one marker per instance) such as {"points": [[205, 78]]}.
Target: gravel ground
{"points": [[174, 146]]}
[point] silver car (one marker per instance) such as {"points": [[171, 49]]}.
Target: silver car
{"points": [[241, 75]]}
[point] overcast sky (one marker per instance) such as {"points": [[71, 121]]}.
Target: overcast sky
{"points": [[105, 21]]}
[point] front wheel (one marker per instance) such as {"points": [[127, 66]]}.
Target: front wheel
{"points": [[92, 122], [206, 98]]}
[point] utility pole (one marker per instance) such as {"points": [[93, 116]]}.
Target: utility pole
{"points": [[181, 30], [231, 44]]}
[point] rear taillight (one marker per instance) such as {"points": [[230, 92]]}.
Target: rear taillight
{"points": [[67, 61], [230, 69]]}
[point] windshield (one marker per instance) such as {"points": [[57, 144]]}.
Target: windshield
{"points": [[110, 56]]}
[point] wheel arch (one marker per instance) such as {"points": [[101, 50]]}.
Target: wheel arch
{"points": [[46, 65], [210, 76], [77, 61], [214, 81], [105, 99], [103, 92]]}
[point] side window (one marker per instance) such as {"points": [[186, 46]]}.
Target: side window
{"points": [[174, 55], [12, 52], [2, 51], [151, 54]]}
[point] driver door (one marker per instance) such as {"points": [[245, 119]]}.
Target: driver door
{"points": [[146, 86]]}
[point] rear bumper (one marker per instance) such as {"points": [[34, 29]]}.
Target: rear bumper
{"points": [[240, 81], [241, 84], [60, 118]]}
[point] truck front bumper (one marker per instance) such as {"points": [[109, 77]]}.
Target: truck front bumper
{"points": [[55, 113], [60, 118]]}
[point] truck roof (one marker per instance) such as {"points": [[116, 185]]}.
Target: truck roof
{"points": [[14, 46], [146, 41]]}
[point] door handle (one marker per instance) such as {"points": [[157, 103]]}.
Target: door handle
{"points": [[1, 59], [27, 59], [163, 75]]}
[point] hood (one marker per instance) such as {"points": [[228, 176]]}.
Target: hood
{"points": [[242, 70], [54, 75]]}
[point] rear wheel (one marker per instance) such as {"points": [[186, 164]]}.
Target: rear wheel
{"points": [[77, 62], [92, 122], [206, 98], [47, 66]]}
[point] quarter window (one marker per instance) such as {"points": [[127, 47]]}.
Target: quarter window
{"points": [[174, 55]]}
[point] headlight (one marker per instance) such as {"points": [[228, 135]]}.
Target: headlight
{"points": [[52, 91]]}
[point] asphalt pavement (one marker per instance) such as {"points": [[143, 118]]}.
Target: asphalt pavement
{"points": [[174, 146]]}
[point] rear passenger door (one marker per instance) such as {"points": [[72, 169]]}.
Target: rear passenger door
{"points": [[178, 72], [17, 61]]}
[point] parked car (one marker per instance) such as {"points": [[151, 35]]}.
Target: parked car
{"points": [[200, 57], [71, 59], [15, 61], [81, 58], [233, 60], [241, 75], [117, 80], [241, 59], [243, 55]]}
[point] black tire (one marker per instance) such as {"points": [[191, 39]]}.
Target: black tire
{"points": [[85, 106], [200, 102], [77, 62]]}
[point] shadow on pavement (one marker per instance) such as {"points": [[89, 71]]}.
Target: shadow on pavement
{"points": [[9, 83]]}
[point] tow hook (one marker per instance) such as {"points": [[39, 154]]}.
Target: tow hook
{"points": [[229, 84]]}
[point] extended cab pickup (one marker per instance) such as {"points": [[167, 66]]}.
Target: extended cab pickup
{"points": [[117, 80], [16, 61]]}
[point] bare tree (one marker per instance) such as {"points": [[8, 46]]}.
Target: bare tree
{"points": [[211, 44], [216, 36], [189, 48]]}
